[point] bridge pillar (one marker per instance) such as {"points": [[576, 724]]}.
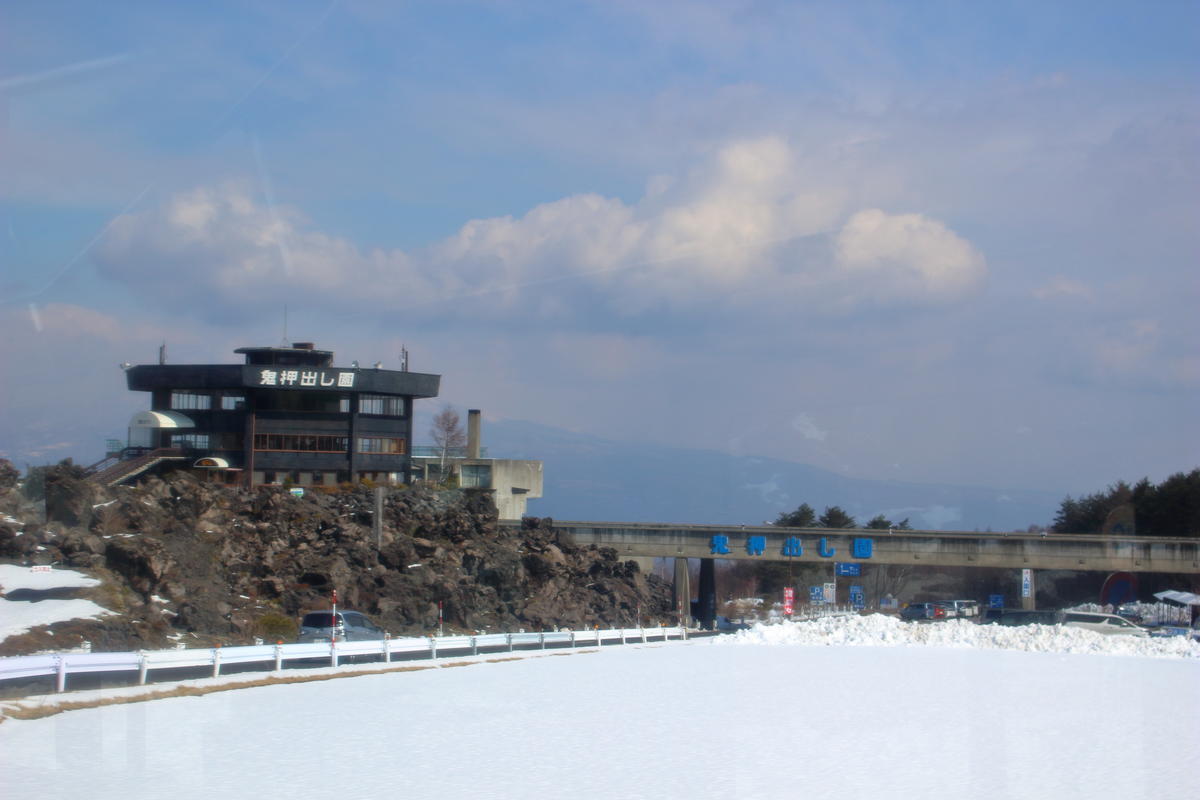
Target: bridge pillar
{"points": [[683, 591], [706, 596], [1028, 603]]}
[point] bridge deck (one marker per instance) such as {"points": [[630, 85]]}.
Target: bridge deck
{"points": [[927, 548]]}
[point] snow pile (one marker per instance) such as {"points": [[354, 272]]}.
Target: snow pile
{"points": [[13, 577], [19, 616], [879, 630]]}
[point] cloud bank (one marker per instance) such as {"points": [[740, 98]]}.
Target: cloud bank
{"points": [[744, 228]]}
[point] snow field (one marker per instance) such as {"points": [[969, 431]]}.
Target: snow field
{"points": [[728, 717]]}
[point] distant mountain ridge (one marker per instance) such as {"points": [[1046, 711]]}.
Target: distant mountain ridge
{"points": [[590, 478]]}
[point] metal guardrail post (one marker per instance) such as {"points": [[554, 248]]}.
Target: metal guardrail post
{"points": [[143, 666], [387, 648], [433, 647], [510, 644], [279, 656], [216, 657], [542, 639], [474, 645], [60, 681], [643, 635], [572, 638], [622, 636], [333, 653]]}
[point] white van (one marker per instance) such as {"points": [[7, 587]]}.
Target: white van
{"points": [[1102, 623]]}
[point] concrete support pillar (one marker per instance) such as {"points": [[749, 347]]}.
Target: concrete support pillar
{"points": [[1028, 589], [706, 597], [683, 591]]}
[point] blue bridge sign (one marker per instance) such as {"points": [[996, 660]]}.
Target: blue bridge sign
{"points": [[852, 570]]}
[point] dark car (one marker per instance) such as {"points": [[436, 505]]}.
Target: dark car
{"points": [[725, 625], [321, 626], [1019, 616], [918, 612]]}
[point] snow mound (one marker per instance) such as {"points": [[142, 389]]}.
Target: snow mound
{"points": [[13, 577], [878, 630]]}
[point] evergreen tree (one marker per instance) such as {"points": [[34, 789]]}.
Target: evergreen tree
{"points": [[802, 517], [835, 517]]}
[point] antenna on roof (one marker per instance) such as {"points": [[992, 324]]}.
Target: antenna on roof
{"points": [[284, 341], [162, 352], [403, 358]]}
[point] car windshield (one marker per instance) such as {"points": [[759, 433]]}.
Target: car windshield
{"points": [[322, 619]]}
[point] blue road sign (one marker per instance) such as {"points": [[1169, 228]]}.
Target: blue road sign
{"points": [[857, 598], [853, 570], [816, 595], [995, 601]]}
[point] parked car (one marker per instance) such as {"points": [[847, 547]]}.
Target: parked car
{"points": [[1102, 623], [963, 608], [1020, 616], [320, 626], [725, 625], [918, 612]]}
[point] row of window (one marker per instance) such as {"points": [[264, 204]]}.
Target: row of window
{"points": [[380, 404], [300, 442], [381, 444], [311, 443], [305, 478], [183, 440]]}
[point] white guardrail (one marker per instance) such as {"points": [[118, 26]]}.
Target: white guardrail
{"points": [[60, 665]]}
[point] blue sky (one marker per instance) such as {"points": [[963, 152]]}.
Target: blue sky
{"points": [[949, 242]]}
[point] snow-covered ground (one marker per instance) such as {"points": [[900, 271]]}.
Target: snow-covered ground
{"points": [[18, 616], [855, 707]]}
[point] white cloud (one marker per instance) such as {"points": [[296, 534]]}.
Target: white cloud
{"points": [[726, 233], [907, 255]]}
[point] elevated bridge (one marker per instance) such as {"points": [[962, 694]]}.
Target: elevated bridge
{"points": [[871, 546], [866, 547]]}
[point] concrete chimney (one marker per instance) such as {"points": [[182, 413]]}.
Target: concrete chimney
{"points": [[473, 423]]}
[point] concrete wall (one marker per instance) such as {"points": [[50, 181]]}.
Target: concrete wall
{"points": [[513, 483]]}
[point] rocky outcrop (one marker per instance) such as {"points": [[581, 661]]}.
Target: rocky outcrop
{"points": [[185, 558]]}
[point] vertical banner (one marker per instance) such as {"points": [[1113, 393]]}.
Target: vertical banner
{"points": [[789, 598], [1026, 583]]}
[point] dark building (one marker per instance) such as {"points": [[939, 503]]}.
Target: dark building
{"points": [[286, 414]]}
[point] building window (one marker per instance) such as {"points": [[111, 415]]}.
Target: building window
{"points": [[301, 401], [190, 401], [233, 402], [301, 442], [199, 441], [344, 404], [379, 444], [476, 476], [382, 404]]}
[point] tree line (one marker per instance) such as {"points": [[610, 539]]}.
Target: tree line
{"points": [[834, 517], [1170, 508]]}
